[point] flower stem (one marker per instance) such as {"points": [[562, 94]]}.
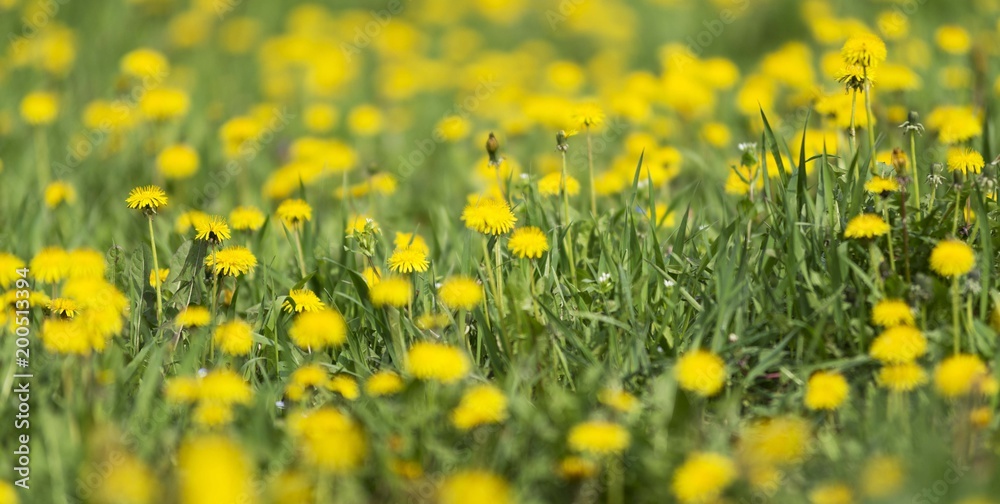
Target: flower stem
{"points": [[958, 203], [590, 163], [888, 237], [302, 260], [566, 222], [871, 129], [915, 174], [499, 272], [954, 312], [156, 274], [852, 134]]}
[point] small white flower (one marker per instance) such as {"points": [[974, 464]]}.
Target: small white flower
{"points": [[668, 283], [733, 337], [747, 146], [524, 176], [202, 373], [280, 404], [604, 278]]}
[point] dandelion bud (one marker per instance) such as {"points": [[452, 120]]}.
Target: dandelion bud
{"points": [[899, 160], [492, 146]]}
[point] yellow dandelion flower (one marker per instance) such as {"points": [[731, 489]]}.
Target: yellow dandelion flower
{"points": [[776, 441], [177, 162], [63, 307], [552, 185], [702, 477], [901, 377], [826, 390], [158, 277], [437, 362], [391, 291], [952, 258], [50, 265], [489, 216], [881, 185], [246, 218], [234, 337], [528, 242], [212, 414], [864, 49], [383, 383], [181, 390], [225, 387], [899, 345], [574, 467], [599, 437], [149, 198], [371, 276], [701, 372], [882, 476], [965, 160], [294, 212], [891, 313], [39, 108], [618, 399], [411, 240], [588, 115], [831, 493], [981, 417], [460, 293], [866, 226], [234, 261], [344, 385], [958, 375], [953, 39], [9, 266], [408, 260], [329, 440], [65, 336], [481, 487], [955, 124], [213, 468], [86, 263], [194, 316], [126, 480], [213, 230], [187, 220], [59, 192], [431, 321], [480, 405], [318, 329], [144, 62], [302, 300], [164, 103]]}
